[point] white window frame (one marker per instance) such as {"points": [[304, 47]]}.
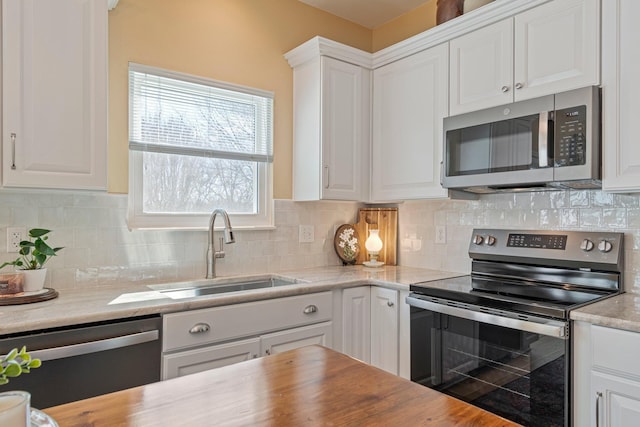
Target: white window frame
{"points": [[138, 219]]}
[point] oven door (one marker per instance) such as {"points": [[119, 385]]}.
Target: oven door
{"points": [[512, 367]]}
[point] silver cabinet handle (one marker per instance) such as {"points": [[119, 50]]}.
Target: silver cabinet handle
{"points": [[267, 352], [13, 150], [326, 173], [504, 89], [598, 398], [94, 346], [199, 328], [519, 86], [310, 309], [390, 303]]}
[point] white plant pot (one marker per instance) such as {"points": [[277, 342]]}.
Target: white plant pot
{"points": [[34, 279]]}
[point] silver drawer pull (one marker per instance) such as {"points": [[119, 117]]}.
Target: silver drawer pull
{"points": [[310, 309], [199, 328]]}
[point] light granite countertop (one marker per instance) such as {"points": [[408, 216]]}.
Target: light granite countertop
{"points": [[78, 306], [621, 312]]}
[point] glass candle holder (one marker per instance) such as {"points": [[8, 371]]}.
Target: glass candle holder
{"points": [[15, 408]]}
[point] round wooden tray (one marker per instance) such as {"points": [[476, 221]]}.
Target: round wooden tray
{"points": [[29, 297]]}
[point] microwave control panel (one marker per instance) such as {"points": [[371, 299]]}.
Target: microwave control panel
{"points": [[571, 140]]}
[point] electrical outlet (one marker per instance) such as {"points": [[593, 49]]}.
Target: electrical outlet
{"points": [[441, 234], [305, 234], [14, 236]]}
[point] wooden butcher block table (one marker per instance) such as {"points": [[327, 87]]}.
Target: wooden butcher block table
{"points": [[310, 386]]}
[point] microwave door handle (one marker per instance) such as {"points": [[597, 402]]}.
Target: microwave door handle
{"points": [[543, 140]]}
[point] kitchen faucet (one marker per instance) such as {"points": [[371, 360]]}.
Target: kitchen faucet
{"points": [[212, 254]]}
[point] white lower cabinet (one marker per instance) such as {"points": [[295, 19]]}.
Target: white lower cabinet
{"points": [[202, 359], [290, 339], [198, 340], [384, 327], [616, 400], [606, 376], [356, 322], [375, 327]]}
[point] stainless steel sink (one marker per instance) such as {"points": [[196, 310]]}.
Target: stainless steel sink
{"points": [[205, 287]]}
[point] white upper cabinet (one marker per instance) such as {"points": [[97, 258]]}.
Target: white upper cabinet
{"points": [[620, 95], [331, 125], [409, 102], [482, 68], [54, 56], [547, 49]]}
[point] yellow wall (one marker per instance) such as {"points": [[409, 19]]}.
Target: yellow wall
{"points": [[418, 20], [237, 41]]}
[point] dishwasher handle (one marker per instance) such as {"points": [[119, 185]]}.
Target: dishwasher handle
{"points": [[95, 346]]}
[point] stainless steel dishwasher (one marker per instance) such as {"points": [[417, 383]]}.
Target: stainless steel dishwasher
{"points": [[88, 360]]}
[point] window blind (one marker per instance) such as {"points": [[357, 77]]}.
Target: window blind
{"points": [[176, 113]]}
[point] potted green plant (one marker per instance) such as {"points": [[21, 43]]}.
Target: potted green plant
{"points": [[34, 253], [15, 363]]}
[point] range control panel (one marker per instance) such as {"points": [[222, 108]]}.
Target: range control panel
{"points": [[569, 248]]}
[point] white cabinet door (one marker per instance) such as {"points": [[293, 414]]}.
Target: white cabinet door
{"points": [[331, 130], [202, 359], [290, 339], [620, 95], [616, 401], [557, 48], [548, 49], [356, 322], [345, 130], [410, 100], [54, 82], [482, 68], [384, 327]]}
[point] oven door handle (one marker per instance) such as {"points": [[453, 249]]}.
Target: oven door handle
{"points": [[536, 325]]}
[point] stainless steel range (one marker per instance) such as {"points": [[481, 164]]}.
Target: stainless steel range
{"points": [[500, 338]]}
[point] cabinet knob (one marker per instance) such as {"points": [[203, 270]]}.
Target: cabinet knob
{"points": [[504, 89], [200, 328], [519, 86], [390, 303], [310, 309]]}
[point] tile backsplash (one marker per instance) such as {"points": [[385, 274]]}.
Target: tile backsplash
{"points": [[588, 210], [100, 250]]}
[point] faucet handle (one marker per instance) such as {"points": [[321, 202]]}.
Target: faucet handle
{"points": [[220, 253]]}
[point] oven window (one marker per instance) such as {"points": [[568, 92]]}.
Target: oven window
{"points": [[516, 374], [507, 145]]}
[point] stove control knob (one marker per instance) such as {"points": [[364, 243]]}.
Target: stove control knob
{"points": [[477, 239], [605, 246], [491, 240], [586, 245]]}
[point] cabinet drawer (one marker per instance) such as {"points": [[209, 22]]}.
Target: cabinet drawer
{"points": [[616, 349], [243, 320]]}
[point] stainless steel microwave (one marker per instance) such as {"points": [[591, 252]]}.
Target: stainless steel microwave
{"points": [[552, 142]]}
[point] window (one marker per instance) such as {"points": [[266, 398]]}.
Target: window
{"points": [[196, 145]]}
